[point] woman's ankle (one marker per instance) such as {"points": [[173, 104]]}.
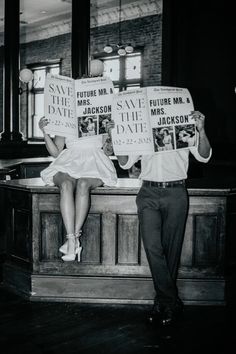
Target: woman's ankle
{"points": [[71, 243], [78, 233]]}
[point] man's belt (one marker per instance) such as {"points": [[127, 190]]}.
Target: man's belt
{"points": [[164, 184]]}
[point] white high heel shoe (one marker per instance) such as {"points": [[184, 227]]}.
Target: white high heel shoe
{"points": [[77, 250], [78, 247], [64, 247]]}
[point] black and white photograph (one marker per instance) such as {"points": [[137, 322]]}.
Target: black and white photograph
{"points": [[87, 126], [185, 136], [103, 120], [163, 138], [117, 177]]}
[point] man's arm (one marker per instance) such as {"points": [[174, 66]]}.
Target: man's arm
{"points": [[204, 147]]}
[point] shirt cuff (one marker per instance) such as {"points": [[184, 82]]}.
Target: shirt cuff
{"points": [[199, 157], [131, 161]]}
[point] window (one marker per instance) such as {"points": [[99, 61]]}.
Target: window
{"points": [[36, 96], [124, 71]]}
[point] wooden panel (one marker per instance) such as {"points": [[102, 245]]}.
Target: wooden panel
{"points": [[18, 226], [91, 239], [3, 217], [113, 256], [128, 242], [49, 202], [116, 204], [108, 241], [17, 278], [36, 232], [206, 241], [202, 291], [21, 234], [206, 204], [94, 289], [231, 230], [58, 268], [120, 290], [187, 250], [20, 199], [51, 236]]}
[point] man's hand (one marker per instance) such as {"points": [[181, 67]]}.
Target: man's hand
{"points": [[204, 147], [108, 147], [200, 120], [110, 125]]}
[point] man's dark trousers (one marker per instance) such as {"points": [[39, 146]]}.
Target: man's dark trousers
{"points": [[162, 216]]}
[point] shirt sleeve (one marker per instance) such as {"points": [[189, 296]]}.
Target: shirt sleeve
{"points": [[198, 157], [131, 161]]}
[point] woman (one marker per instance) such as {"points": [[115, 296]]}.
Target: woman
{"points": [[82, 166], [158, 139], [167, 140], [90, 126]]}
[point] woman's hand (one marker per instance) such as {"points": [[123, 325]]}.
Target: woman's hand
{"points": [[43, 122], [200, 120]]}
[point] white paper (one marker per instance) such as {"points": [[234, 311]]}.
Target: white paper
{"points": [[59, 106], [77, 108], [153, 119]]}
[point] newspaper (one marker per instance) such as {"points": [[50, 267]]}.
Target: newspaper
{"points": [[77, 108], [147, 120], [153, 119]]}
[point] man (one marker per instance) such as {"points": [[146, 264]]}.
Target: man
{"points": [[162, 210]]}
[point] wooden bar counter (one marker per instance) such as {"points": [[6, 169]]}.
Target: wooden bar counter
{"points": [[114, 268]]}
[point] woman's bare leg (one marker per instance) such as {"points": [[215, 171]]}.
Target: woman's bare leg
{"points": [[82, 199], [67, 185]]}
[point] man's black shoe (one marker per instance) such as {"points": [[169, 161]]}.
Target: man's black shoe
{"points": [[171, 314], [155, 316]]}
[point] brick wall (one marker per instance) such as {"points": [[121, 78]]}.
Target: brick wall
{"points": [[145, 32]]}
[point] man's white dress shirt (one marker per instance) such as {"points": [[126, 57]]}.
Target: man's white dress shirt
{"points": [[165, 166]]}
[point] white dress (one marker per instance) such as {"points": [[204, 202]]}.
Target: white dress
{"points": [[82, 157]]}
